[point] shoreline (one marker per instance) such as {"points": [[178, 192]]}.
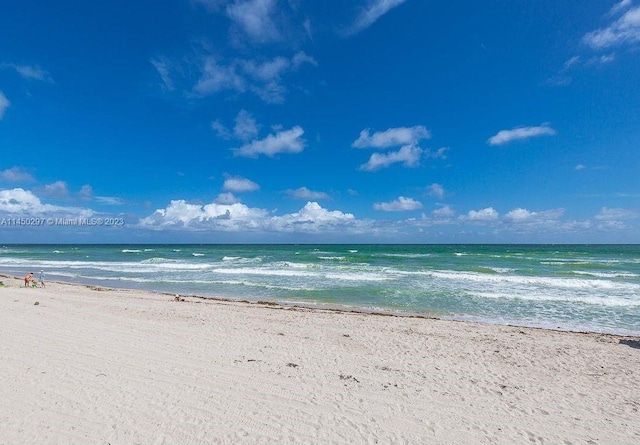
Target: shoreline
{"points": [[320, 306], [99, 365]]}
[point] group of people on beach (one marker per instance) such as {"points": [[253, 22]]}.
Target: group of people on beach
{"points": [[29, 281]]}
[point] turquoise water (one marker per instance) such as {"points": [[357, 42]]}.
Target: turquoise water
{"points": [[570, 287]]}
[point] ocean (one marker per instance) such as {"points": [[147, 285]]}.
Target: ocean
{"points": [[569, 287]]}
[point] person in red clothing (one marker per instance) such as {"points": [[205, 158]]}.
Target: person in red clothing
{"points": [[27, 279]]}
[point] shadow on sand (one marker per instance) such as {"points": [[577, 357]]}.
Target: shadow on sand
{"points": [[635, 344]]}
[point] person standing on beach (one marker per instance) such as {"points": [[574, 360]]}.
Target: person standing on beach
{"points": [[27, 279], [41, 278]]}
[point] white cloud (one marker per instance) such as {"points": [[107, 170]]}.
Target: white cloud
{"points": [[409, 156], [254, 18], [399, 205], [23, 203], [163, 67], [486, 214], [179, 213], [520, 215], [520, 133], [580, 167], [261, 77], [4, 104], [305, 193], [246, 127], [216, 77], [440, 153], [238, 184], [444, 212], [300, 58], [110, 200], [601, 60], [391, 137], [15, 174], [609, 214], [571, 62], [29, 72], [86, 192], [373, 11], [623, 4], [56, 189], [223, 132], [267, 71], [236, 217], [436, 190], [312, 218], [286, 141], [625, 30], [226, 198]]}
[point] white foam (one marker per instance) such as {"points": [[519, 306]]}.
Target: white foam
{"points": [[358, 276], [265, 272], [547, 282], [607, 274]]}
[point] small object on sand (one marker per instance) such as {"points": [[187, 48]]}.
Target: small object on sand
{"points": [[178, 298], [36, 303]]}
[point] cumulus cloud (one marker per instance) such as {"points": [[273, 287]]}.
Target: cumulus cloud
{"points": [[236, 217], [226, 198], [371, 13], [486, 214], [238, 184], [20, 202], [4, 104], [520, 215], [391, 137], [399, 205], [86, 192], [179, 213], [444, 212], [305, 193], [285, 141], [246, 127], [436, 190], [15, 174], [625, 30], [56, 190], [520, 133], [409, 156], [312, 218]]}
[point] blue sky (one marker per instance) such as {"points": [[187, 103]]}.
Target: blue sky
{"points": [[422, 121]]}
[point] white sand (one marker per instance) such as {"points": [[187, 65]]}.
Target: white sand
{"points": [[115, 366]]}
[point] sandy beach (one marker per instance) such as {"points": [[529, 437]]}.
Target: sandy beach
{"points": [[81, 364]]}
